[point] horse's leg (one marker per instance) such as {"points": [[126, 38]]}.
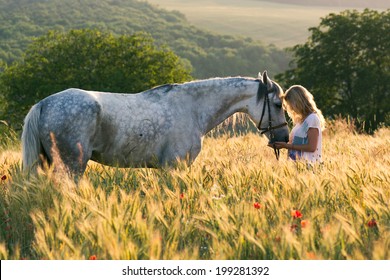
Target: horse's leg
{"points": [[69, 153], [76, 158], [186, 149]]}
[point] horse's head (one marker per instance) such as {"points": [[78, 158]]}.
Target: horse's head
{"points": [[268, 112]]}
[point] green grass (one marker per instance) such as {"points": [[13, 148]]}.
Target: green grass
{"points": [[235, 202], [283, 25]]}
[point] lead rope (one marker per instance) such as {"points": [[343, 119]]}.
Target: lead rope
{"points": [[271, 131], [277, 152]]}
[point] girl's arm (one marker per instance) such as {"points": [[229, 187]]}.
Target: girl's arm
{"points": [[311, 146]]}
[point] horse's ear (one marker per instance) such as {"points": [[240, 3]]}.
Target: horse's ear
{"points": [[265, 76], [267, 81]]}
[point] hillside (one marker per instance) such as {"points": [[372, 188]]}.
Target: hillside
{"points": [[283, 23], [210, 54], [356, 4]]}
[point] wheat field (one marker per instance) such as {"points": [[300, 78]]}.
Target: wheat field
{"points": [[235, 202]]}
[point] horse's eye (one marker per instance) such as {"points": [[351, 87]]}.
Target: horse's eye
{"points": [[278, 105]]}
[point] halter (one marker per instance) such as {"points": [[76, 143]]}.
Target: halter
{"points": [[269, 128]]}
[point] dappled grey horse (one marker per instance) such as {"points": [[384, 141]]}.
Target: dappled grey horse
{"points": [[153, 128]]}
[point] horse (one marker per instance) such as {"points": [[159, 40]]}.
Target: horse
{"points": [[149, 129]]}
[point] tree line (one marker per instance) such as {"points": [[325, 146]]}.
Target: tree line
{"points": [[346, 65]]}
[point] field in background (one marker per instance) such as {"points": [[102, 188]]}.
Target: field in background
{"points": [[283, 25], [235, 202]]}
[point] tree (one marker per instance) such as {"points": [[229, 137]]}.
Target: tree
{"points": [[346, 65], [89, 60]]}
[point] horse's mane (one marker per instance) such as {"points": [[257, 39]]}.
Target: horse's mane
{"points": [[162, 89], [216, 79]]}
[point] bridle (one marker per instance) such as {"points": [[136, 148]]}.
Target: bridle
{"points": [[264, 89]]}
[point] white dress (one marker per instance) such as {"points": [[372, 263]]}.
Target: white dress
{"points": [[299, 137]]}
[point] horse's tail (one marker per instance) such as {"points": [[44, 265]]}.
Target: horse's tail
{"points": [[31, 145]]}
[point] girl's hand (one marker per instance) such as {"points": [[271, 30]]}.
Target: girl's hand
{"points": [[279, 145]]}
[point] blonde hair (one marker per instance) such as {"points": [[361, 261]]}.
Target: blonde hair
{"points": [[299, 103]]}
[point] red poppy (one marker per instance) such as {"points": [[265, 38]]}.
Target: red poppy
{"points": [[296, 214], [93, 257], [311, 255], [257, 205], [304, 223], [181, 195], [372, 223], [4, 177]]}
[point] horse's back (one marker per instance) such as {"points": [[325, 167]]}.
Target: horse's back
{"points": [[68, 110]]}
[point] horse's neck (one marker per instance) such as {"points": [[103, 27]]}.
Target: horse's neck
{"points": [[223, 99]]}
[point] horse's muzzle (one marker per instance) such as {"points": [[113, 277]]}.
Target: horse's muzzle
{"points": [[278, 135]]}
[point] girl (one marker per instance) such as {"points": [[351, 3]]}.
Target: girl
{"points": [[305, 141]]}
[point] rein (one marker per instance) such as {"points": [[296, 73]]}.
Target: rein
{"points": [[269, 128]]}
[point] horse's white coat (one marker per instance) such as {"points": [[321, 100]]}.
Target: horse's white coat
{"points": [[148, 129]]}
